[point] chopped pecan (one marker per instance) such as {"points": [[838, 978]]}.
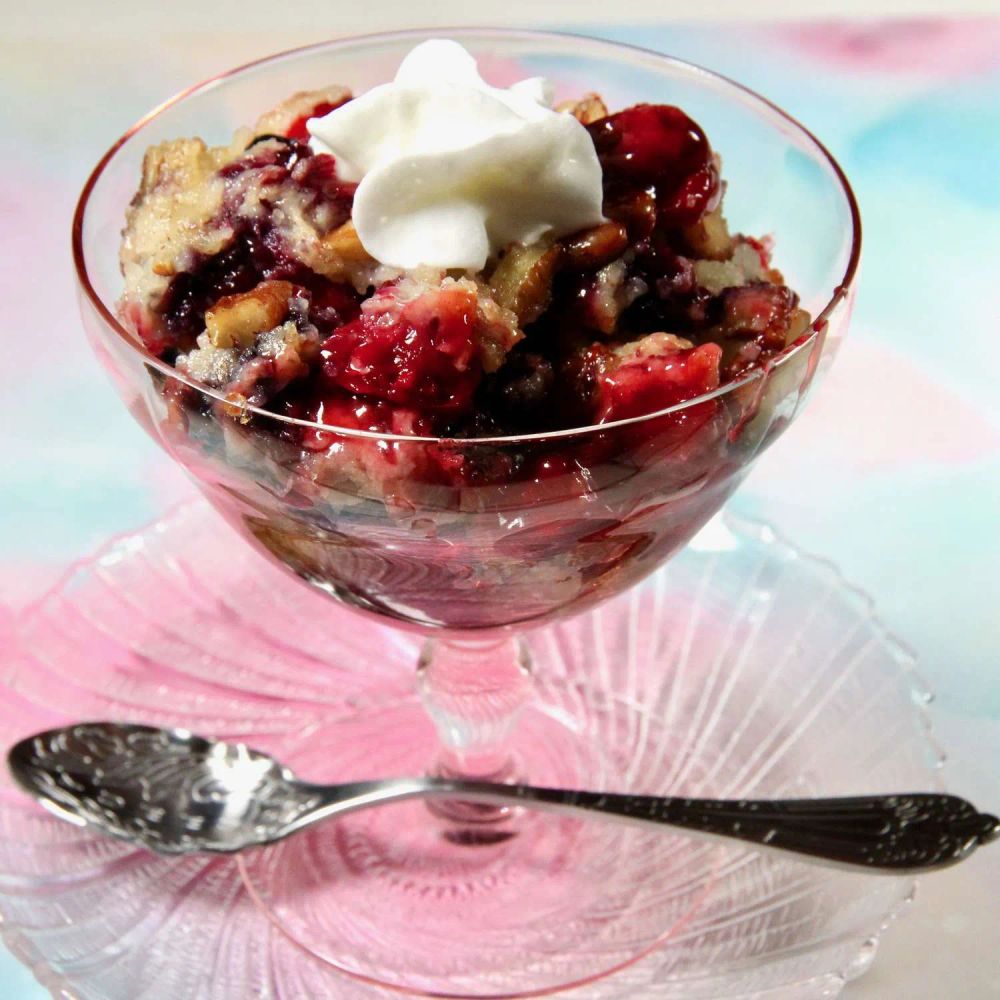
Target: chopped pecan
{"points": [[522, 281], [591, 249], [606, 295], [758, 310], [235, 320]]}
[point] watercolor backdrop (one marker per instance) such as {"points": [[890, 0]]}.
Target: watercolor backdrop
{"points": [[893, 473]]}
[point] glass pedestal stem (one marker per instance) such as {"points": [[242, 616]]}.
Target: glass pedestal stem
{"points": [[474, 690]]}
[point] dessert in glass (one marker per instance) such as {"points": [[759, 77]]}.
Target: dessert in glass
{"points": [[469, 348]]}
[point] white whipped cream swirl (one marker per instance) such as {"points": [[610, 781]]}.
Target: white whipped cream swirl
{"points": [[452, 170]]}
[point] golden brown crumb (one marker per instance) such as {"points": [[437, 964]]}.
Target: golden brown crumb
{"points": [[182, 165], [652, 345], [171, 217], [709, 237], [496, 331], [279, 119], [716, 275]]}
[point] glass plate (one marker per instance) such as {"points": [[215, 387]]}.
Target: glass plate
{"points": [[744, 667]]}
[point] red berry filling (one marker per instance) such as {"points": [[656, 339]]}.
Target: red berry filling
{"points": [[419, 353], [647, 384], [298, 129]]}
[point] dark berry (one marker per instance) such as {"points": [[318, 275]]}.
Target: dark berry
{"points": [[518, 392], [649, 144]]}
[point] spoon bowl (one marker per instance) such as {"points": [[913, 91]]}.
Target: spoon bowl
{"points": [[167, 789]]}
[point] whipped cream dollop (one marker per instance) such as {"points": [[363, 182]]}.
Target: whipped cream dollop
{"points": [[451, 170]]}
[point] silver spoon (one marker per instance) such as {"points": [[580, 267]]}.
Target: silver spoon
{"points": [[176, 793]]}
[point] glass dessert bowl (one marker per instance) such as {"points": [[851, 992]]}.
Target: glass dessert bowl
{"points": [[474, 537]]}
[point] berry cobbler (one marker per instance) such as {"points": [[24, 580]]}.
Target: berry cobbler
{"points": [[245, 269], [442, 259]]}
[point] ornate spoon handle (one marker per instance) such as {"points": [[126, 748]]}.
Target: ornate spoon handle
{"points": [[895, 834]]}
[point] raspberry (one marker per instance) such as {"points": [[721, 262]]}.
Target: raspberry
{"points": [[419, 353], [647, 384]]}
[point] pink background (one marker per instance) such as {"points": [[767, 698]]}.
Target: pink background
{"points": [[893, 472]]}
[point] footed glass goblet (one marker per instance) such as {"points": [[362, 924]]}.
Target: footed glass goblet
{"points": [[468, 901]]}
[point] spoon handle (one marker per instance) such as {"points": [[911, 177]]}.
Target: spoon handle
{"points": [[895, 834]]}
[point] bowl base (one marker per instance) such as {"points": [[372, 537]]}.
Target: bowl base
{"points": [[413, 897]]}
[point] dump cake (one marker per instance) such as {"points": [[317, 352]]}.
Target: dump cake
{"points": [[442, 258]]}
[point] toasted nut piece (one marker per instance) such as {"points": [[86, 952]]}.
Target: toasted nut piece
{"points": [[164, 268], [278, 120], [757, 311], [590, 108], [340, 254], [235, 320], [522, 281], [709, 237], [593, 248]]}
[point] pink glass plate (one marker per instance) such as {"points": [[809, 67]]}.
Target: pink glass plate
{"points": [[743, 667]]}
